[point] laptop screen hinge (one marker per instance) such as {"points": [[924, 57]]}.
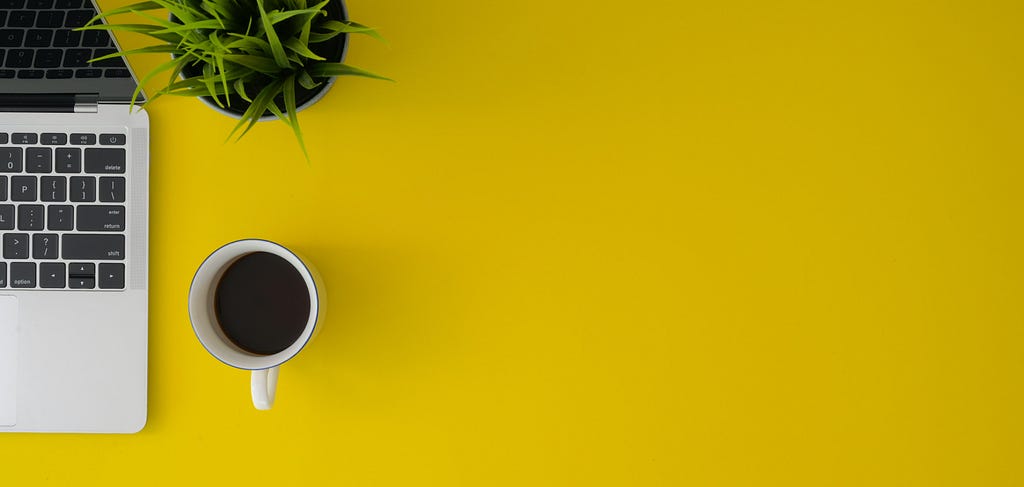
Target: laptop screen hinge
{"points": [[50, 103]]}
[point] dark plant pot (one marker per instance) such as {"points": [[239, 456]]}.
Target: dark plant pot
{"points": [[334, 50]]}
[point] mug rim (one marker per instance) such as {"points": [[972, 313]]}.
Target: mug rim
{"points": [[308, 330]]}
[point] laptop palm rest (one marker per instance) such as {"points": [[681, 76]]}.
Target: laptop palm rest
{"points": [[8, 360]]}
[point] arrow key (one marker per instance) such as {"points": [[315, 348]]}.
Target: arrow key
{"points": [[111, 276], [51, 275]]}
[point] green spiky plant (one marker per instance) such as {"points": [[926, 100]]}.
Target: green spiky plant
{"points": [[257, 53]]}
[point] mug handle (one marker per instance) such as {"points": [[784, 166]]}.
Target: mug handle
{"points": [[264, 387]]}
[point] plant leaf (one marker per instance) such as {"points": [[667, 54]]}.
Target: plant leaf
{"points": [[275, 44], [320, 70]]}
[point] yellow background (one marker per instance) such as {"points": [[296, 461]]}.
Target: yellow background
{"points": [[610, 243]]}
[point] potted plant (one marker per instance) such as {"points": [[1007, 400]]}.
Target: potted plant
{"points": [[252, 59]]}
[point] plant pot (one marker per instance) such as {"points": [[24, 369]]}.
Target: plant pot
{"points": [[334, 50]]}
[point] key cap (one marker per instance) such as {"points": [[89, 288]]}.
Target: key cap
{"points": [[38, 160], [7, 73], [19, 58], [77, 58], [3, 136], [83, 189], [83, 139], [30, 217], [82, 269], [44, 246], [111, 276], [89, 73], [50, 19], [15, 245], [39, 4], [31, 74], [78, 18], [105, 161], [24, 138], [23, 274], [11, 159], [111, 190], [51, 275], [53, 188], [6, 217], [23, 188], [11, 37], [68, 4], [12, 4], [38, 38], [105, 218], [21, 18], [80, 246], [95, 38], [3, 274], [59, 217], [60, 73], [81, 282], [67, 38], [116, 73], [50, 138], [69, 159], [48, 58], [112, 139], [3, 188]]}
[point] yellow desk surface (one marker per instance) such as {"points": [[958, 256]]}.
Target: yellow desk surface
{"points": [[606, 243]]}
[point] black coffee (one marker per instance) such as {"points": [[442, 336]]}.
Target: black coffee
{"points": [[262, 303]]}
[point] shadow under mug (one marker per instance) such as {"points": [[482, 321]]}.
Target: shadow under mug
{"points": [[202, 313]]}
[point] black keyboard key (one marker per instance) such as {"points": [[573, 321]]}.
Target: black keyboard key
{"points": [[12, 4], [11, 37], [7, 73], [3, 188], [59, 73], [105, 161], [11, 159], [111, 190], [83, 139], [6, 217], [81, 282], [30, 217], [51, 138], [77, 58], [60, 217], [3, 17], [39, 38], [69, 159], [48, 58], [50, 19], [38, 160], [67, 38], [82, 269], [53, 189], [95, 38], [111, 276], [15, 245], [117, 73], [100, 218], [3, 138], [114, 62], [83, 246], [24, 138], [39, 4], [3, 274], [68, 4], [21, 18], [78, 18], [89, 73], [19, 58], [113, 139], [23, 188], [82, 189], [52, 275], [23, 274], [31, 74], [44, 246]]}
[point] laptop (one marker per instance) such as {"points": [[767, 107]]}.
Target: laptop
{"points": [[74, 196]]}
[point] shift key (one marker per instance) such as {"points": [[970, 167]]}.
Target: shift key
{"points": [[92, 247], [104, 160]]}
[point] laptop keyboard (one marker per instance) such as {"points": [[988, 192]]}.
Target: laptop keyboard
{"points": [[62, 210], [38, 40]]}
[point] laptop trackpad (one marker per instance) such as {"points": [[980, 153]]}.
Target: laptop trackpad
{"points": [[8, 360]]}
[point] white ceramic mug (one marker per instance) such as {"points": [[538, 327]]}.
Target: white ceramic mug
{"points": [[201, 311]]}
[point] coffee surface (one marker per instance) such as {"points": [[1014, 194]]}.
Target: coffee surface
{"points": [[262, 303]]}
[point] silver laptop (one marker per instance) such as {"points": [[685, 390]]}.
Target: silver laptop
{"points": [[74, 196]]}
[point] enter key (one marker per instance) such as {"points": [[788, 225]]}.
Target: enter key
{"points": [[100, 218]]}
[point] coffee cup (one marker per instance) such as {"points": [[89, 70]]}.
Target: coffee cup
{"points": [[254, 305]]}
